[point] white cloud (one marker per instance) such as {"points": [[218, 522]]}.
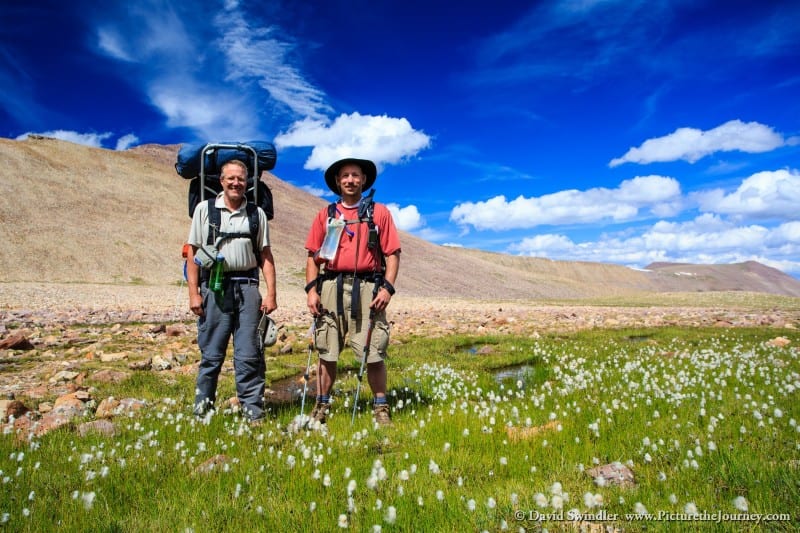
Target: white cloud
{"points": [[660, 195], [215, 115], [382, 139], [690, 144], [768, 194], [126, 141], [316, 191], [706, 239], [222, 77], [406, 218], [255, 53], [112, 44], [87, 139]]}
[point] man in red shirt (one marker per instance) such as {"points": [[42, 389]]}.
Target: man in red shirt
{"points": [[356, 284]]}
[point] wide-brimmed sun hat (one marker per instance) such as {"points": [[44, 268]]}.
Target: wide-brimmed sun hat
{"points": [[367, 167]]}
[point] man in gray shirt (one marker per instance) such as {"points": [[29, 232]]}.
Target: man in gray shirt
{"points": [[234, 310]]}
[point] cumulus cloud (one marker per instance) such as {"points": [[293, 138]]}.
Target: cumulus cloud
{"points": [[690, 144], [126, 141], [87, 139], [316, 191], [706, 239], [659, 195], [406, 218], [382, 139], [768, 194]]}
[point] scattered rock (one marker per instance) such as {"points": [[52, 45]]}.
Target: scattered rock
{"points": [[110, 376], [523, 433], [12, 408], [113, 357], [215, 462], [145, 364], [161, 362], [612, 474], [103, 427], [16, 341], [70, 405], [779, 342], [174, 331], [106, 408], [64, 375], [111, 407]]}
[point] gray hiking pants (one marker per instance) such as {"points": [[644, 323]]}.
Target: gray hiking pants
{"points": [[236, 314]]}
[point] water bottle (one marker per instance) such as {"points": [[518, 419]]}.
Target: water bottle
{"points": [[215, 283]]}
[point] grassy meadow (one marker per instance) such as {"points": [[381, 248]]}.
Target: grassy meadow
{"points": [[490, 434]]}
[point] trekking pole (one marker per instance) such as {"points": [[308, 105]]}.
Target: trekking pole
{"points": [[308, 365], [363, 362]]}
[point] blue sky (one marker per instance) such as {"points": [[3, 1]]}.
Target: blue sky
{"points": [[614, 131]]}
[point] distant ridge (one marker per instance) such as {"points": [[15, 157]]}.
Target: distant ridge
{"points": [[72, 213], [748, 276]]}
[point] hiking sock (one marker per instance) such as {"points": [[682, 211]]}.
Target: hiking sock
{"points": [[379, 400], [324, 398]]}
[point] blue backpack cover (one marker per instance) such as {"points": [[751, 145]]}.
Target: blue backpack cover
{"points": [[189, 158]]}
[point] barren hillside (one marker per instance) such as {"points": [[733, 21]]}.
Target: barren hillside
{"points": [[72, 213]]}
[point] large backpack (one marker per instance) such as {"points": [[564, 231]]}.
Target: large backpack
{"points": [[202, 163]]}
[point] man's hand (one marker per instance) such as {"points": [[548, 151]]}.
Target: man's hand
{"points": [[196, 303], [381, 300], [269, 304], [313, 302]]}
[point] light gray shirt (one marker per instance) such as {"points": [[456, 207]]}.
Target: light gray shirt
{"points": [[238, 252]]}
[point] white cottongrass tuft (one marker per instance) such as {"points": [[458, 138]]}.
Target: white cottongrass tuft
{"points": [[88, 499], [740, 502], [540, 499], [391, 515], [557, 502]]}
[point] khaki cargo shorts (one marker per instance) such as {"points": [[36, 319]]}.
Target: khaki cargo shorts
{"points": [[331, 330]]}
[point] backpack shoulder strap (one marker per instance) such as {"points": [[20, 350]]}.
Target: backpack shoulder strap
{"points": [[214, 221], [252, 217], [366, 213]]}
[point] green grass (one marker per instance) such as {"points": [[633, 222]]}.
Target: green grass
{"points": [[701, 416]]}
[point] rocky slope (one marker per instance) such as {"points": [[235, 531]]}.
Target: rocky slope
{"points": [[77, 215]]}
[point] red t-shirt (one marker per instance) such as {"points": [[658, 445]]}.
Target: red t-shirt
{"points": [[356, 234]]}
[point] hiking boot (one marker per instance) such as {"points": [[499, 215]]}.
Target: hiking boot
{"points": [[319, 414], [382, 415]]}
